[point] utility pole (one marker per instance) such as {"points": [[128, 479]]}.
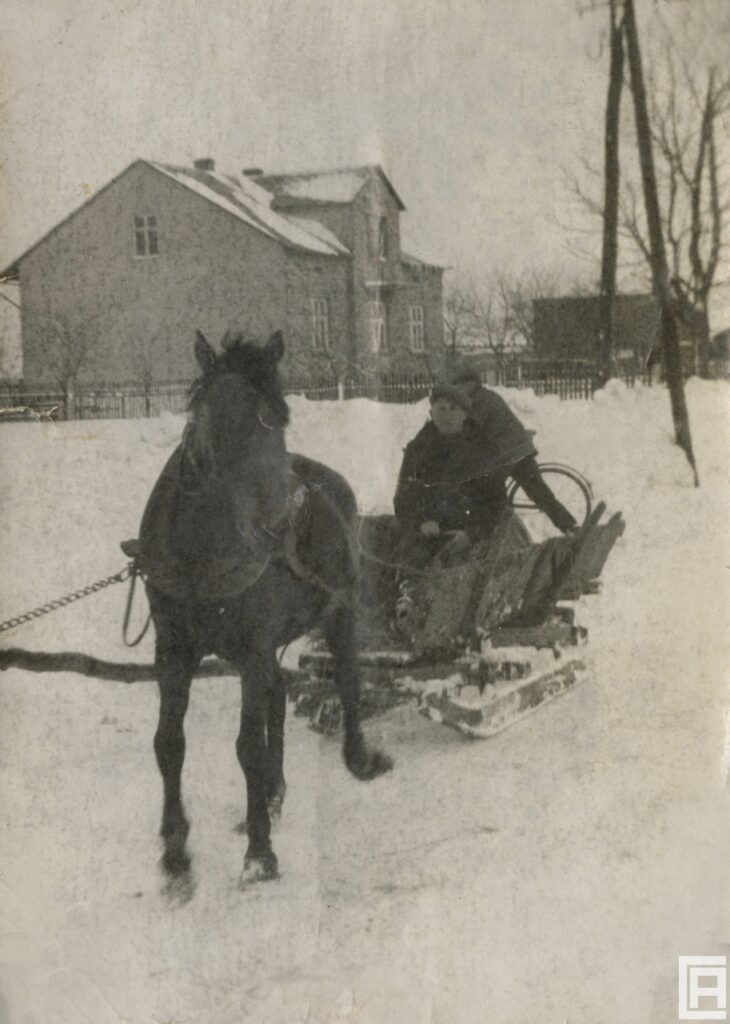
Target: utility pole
{"points": [[659, 266], [609, 256]]}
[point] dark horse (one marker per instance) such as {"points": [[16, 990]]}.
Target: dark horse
{"points": [[244, 548]]}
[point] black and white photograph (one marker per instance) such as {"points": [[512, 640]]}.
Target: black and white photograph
{"points": [[365, 531]]}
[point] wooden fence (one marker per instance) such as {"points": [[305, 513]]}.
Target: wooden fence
{"points": [[132, 400]]}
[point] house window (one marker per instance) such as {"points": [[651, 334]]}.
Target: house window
{"points": [[145, 236], [416, 329], [383, 238], [378, 326], [320, 313]]}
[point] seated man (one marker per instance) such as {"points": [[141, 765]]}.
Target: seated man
{"points": [[443, 495], [507, 447]]}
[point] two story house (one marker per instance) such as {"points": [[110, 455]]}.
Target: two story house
{"points": [[116, 290]]}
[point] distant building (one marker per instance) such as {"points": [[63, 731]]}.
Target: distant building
{"points": [[568, 328], [718, 356], [116, 290]]}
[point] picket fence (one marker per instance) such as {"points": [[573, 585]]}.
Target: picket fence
{"points": [[132, 400]]}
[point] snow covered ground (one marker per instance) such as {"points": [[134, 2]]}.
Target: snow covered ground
{"points": [[553, 873]]}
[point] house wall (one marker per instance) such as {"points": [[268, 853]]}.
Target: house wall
{"points": [[136, 316], [420, 285], [357, 226], [400, 286], [135, 311], [310, 277]]}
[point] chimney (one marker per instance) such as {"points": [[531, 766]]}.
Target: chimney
{"points": [[252, 172], [206, 163]]}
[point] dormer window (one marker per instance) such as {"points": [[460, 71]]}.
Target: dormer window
{"points": [[146, 242], [383, 238]]}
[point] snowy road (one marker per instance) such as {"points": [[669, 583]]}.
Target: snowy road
{"points": [[552, 873]]}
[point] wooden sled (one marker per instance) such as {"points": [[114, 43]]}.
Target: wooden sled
{"points": [[492, 636]]}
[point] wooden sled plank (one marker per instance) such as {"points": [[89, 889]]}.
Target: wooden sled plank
{"points": [[505, 705], [590, 561], [554, 573], [448, 599], [556, 633]]}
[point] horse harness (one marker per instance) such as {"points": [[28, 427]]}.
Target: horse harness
{"points": [[284, 548]]}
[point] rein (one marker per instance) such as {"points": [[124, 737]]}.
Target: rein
{"points": [[134, 572], [294, 562]]}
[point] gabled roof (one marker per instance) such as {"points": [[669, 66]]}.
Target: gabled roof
{"points": [[247, 201], [241, 197], [326, 186]]}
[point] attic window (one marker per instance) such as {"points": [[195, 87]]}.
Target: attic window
{"points": [[145, 236]]}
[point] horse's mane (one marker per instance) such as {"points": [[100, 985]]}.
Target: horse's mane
{"points": [[253, 363]]}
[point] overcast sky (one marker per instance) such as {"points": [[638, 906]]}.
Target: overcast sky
{"points": [[471, 106]]}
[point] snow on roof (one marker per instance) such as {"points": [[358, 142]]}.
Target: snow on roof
{"points": [[319, 231], [251, 203], [338, 186], [335, 187], [415, 262]]}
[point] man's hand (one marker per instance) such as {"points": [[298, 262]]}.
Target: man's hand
{"points": [[430, 528]]}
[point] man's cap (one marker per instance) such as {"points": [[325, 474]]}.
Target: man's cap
{"points": [[453, 394], [465, 375]]}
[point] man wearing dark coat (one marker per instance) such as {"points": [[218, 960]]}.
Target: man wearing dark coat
{"points": [[445, 492], [508, 447]]}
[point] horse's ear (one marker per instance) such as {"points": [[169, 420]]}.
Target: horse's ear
{"points": [[204, 353], [275, 346]]}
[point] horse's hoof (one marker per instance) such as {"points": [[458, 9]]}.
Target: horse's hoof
{"points": [[179, 890], [258, 869], [175, 861], [366, 764], [275, 806]]}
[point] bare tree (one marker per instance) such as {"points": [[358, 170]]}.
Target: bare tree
{"points": [[491, 321], [144, 346], [497, 315], [478, 318], [459, 307], [67, 350], [685, 107], [684, 116], [659, 267], [521, 290]]}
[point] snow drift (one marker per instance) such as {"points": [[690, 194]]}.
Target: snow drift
{"points": [[552, 873]]}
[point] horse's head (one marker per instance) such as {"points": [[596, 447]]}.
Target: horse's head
{"points": [[235, 437]]}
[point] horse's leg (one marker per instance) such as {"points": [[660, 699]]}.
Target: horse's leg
{"points": [[339, 628], [256, 681], [175, 667], [275, 783]]}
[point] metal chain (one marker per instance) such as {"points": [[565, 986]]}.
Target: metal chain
{"points": [[61, 602]]}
